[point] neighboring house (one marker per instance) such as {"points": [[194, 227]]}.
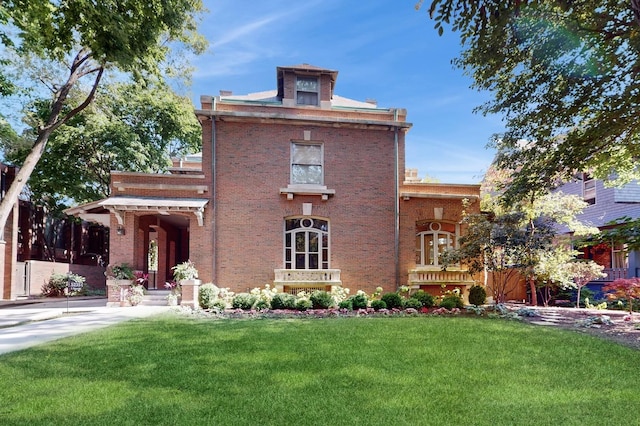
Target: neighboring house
{"points": [[37, 244], [295, 187], [606, 205]]}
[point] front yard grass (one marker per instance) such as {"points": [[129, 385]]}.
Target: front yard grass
{"points": [[173, 370]]}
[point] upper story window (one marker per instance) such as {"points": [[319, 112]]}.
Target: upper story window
{"points": [[307, 91], [588, 189], [307, 163]]}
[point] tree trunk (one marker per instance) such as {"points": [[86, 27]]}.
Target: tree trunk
{"points": [[534, 293], [635, 6], [18, 184], [78, 69]]}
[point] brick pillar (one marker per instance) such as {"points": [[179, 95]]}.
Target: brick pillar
{"points": [[117, 292], [190, 293]]}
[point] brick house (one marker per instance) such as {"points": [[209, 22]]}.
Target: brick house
{"points": [[295, 187]]}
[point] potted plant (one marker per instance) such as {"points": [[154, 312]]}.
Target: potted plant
{"points": [[185, 271], [120, 278], [186, 275]]}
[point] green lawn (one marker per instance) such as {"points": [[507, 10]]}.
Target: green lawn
{"points": [[335, 371]]}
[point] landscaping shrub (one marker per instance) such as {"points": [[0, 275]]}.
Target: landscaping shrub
{"points": [[57, 284], [378, 304], [424, 298], [359, 301], [451, 301], [262, 304], [208, 295], [346, 304], [412, 303], [321, 299], [303, 304], [244, 301], [477, 295], [283, 301], [392, 300]]}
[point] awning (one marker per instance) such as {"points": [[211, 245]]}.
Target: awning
{"points": [[160, 205], [98, 211]]}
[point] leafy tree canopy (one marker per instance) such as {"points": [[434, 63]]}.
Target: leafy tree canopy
{"points": [[128, 127], [69, 45], [565, 76]]}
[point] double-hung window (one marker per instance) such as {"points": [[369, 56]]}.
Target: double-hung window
{"points": [[307, 91], [306, 164]]}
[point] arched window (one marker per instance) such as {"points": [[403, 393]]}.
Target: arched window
{"points": [[432, 240], [306, 243]]}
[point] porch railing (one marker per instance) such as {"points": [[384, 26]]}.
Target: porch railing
{"points": [[613, 274]]}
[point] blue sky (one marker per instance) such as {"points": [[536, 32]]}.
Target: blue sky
{"points": [[382, 49]]}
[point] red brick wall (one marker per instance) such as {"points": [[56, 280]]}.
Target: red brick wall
{"points": [[253, 164], [418, 209]]}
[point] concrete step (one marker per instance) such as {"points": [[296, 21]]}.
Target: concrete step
{"points": [[155, 298]]}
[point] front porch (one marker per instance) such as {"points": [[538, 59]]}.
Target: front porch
{"points": [[293, 281]]}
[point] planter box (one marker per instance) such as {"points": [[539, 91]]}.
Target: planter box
{"points": [[117, 293]]}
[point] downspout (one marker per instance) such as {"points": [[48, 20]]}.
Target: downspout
{"points": [[214, 197], [397, 203]]}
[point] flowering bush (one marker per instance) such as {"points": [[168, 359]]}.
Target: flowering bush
{"points": [[135, 294], [339, 294], [263, 296], [211, 296]]}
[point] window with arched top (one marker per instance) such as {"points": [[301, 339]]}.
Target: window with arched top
{"points": [[306, 243], [432, 240]]}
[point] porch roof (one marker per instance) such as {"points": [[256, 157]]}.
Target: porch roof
{"points": [[160, 205]]}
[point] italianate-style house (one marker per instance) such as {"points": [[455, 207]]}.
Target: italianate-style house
{"points": [[295, 187]]}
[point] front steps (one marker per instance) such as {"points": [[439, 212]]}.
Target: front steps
{"points": [[155, 298]]}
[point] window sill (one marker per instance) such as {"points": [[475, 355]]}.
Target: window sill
{"points": [[319, 190]]}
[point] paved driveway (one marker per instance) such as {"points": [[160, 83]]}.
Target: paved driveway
{"points": [[26, 324]]}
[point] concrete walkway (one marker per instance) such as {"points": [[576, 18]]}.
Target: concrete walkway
{"points": [[24, 324]]}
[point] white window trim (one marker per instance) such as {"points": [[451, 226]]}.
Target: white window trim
{"points": [[454, 235], [320, 246]]}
